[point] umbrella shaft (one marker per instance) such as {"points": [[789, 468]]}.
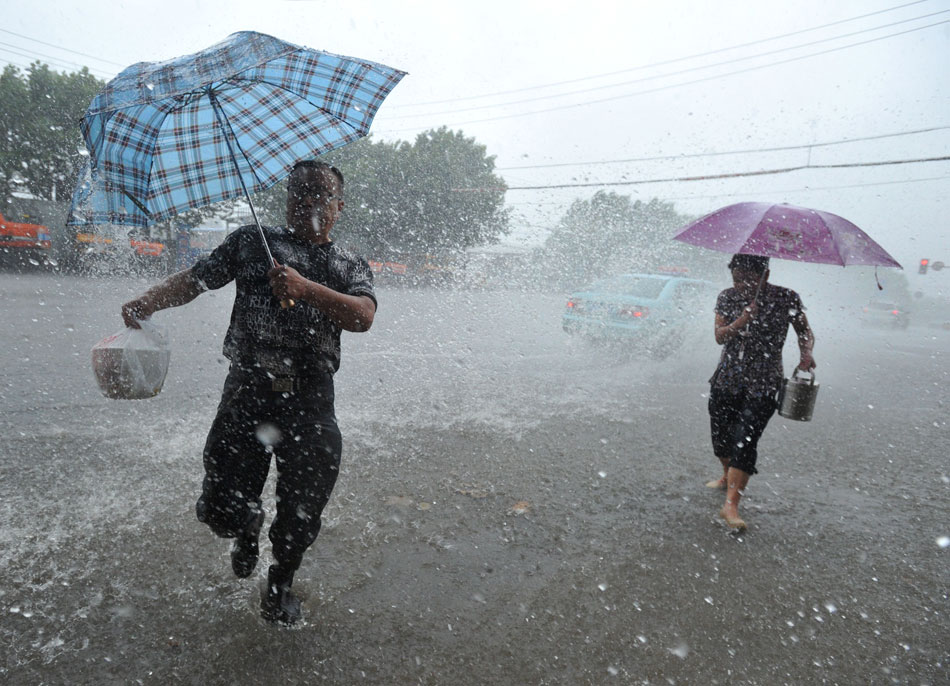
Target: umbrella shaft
{"points": [[225, 130], [758, 289]]}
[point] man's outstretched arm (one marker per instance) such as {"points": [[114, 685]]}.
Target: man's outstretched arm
{"points": [[178, 289]]}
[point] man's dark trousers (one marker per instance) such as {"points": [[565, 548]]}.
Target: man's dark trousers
{"points": [[260, 416]]}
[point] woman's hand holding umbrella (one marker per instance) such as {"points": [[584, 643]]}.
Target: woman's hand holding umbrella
{"points": [[747, 316], [738, 327]]}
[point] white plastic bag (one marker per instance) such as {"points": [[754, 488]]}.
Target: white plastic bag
{"points": [[132, 363]]}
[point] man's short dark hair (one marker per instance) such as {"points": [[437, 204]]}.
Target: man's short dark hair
{"points": [[757, 264], [319, 164]]}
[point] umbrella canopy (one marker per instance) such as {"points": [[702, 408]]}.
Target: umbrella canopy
{"points": [[786, 232], [165, 137]]}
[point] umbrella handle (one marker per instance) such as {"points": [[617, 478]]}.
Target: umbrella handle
{"points": [[758, 289], [285, 303]]}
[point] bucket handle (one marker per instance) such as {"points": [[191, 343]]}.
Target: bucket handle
{"points": [[803, 374]]}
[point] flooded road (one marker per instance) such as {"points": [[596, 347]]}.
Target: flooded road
{"points": [[515, 507]]}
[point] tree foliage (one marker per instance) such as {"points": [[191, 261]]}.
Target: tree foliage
{"points": [[609, 234], [40, 142], [436, 195]]}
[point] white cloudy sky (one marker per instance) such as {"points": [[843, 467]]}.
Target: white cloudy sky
{"points": [[556, 90]]}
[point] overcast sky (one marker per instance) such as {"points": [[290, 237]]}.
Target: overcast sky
{"points": [[580, 84]]}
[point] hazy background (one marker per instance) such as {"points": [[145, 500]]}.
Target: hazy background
{"points": [[681, 81], [516, 503]]}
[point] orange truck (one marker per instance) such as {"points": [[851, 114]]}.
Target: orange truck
{"points": [[22, 241], [146, 248], [100, 244]]}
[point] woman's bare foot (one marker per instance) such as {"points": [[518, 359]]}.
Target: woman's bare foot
{"points": [[731, 515], [717, 483]]}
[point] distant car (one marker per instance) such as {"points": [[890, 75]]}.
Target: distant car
{"points": [[886, 314], [649, 311]]}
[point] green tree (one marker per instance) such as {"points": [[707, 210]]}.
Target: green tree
{"points": [[610, 234], [40, 145], [436, 195]]}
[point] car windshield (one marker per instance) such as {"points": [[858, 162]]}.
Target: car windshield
{"points": [[643, 287]]}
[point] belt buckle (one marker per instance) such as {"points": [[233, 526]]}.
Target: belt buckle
{"points": [[282, 384]]}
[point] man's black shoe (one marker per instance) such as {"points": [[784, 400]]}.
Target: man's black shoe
{"points": [[279, 605], [244, 550]]}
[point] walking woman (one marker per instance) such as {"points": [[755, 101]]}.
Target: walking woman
{"points": [[752, 320]]}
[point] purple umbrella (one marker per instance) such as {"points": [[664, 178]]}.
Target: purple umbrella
{"points": [[786, 232]]}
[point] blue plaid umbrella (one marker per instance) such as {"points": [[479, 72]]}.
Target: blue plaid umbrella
{"points": [[165, 137]]}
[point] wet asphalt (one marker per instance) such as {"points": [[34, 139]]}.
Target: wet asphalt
{"points": [[515, 507]]}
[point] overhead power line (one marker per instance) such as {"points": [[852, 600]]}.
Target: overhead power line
{"points": [[53, 61], [59, 47], [799, 189], [680, 72], [774, 192], [709, 177], [803, 146], [807, 189], [660, 64], [588, 103], [770, 193]]}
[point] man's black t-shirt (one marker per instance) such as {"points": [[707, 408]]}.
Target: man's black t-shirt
{"points": [[298, 339]]}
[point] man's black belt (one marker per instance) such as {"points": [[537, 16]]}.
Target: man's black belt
{"points": [[287, 381]]}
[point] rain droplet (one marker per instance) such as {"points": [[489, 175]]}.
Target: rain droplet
{"points": [[680, 651], [602, 587], [602, 475], [268, 434], [831, 608], [613, 671], [944, 541]]}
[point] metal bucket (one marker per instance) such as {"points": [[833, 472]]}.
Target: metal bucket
{"points": [[798, 395]]}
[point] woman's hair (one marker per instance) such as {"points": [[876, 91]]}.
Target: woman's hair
{"points": [[756, 264]]}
